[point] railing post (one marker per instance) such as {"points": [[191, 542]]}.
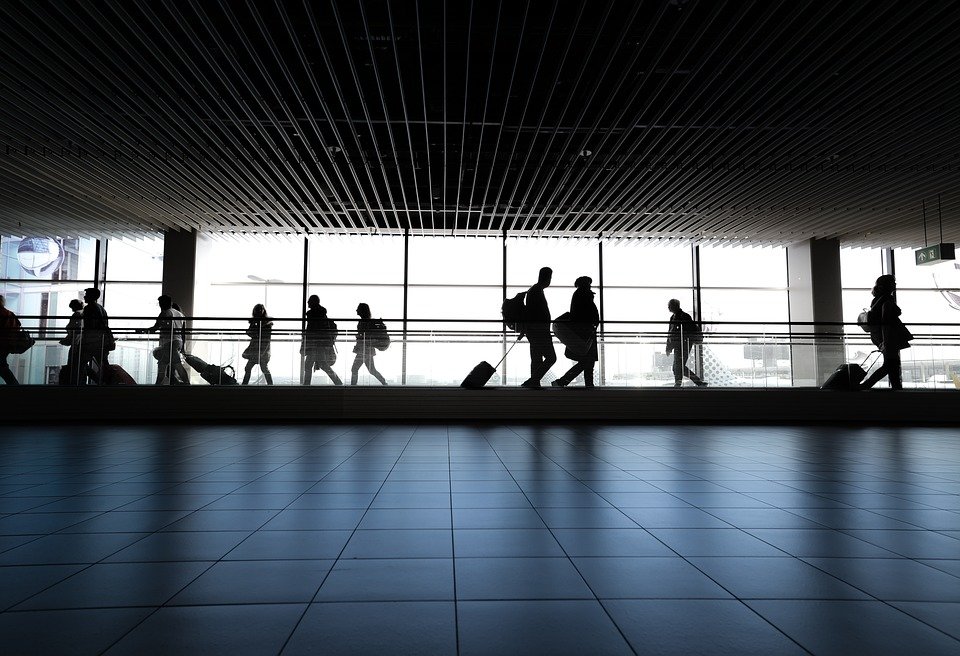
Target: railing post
{"points": [[697, 304], [602, 345], [504, 294], [406, 284]]}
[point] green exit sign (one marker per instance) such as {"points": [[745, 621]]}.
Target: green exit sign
{"points": [[934, 254]]}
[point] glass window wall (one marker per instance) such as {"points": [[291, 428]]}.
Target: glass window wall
{"points": [[454, 293], [459, 283], [748, 285], [348, 270]]}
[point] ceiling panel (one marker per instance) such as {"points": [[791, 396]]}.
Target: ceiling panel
{"points": [[758, 122]]}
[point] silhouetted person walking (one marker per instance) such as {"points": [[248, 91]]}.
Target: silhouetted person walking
{"points": [[680, 339], [170, 326], [364, 348], [72, 341], [887, 333], [96, 339], [537, 329], [258, 351], [584, 318], [9, 328], [319, 349]]}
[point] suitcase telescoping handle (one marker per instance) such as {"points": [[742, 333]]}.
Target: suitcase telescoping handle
{"points": [[867, 359], [500, 361]]}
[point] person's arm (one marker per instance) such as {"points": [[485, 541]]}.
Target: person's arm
{"points": [[888, 322], [157, 325]]}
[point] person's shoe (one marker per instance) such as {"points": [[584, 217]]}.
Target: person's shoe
{"points": [[702, 383], [678, 384], [558, 383], [531, 384]]}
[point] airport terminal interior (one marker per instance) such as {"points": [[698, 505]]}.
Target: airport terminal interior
{"points": [[529, 327]]}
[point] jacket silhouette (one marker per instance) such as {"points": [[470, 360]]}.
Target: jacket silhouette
{"points": [[9, 328], [257, 352], [364, 349], [537, 329], [680, 335], [319, 349], [887, 333], [584, 318]]}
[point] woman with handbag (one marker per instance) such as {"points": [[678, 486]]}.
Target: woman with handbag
{"points": [[9, 329], [584, 319], [258, 351], [319, 348], [887, 332]]}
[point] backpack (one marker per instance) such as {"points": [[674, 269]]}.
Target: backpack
{"points": [[694, 332], [378, 336], [863, 320], [513, 310], [331, 332]]}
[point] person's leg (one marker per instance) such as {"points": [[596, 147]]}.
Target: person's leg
{"points": [[307, 374], [689, 372], [547, 358], [6, 373], [355, 368], [368, 360], [163, 367], [894, 374], [588, 374], [182, 374], [536, 356], [266, 372], [327, 369], [179, 372], [879, 373], [678, 366], [247, 370], [83, 366], [550, 356], [568, 377]]}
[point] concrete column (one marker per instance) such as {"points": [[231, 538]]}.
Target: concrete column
{"points": [[815, 295], [180, 267]]}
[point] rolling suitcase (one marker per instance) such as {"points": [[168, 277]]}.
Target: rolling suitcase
{"points": [[114, 374], [480, 374], [212, 373], [848, 376]]}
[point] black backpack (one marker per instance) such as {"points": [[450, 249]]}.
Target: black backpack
{"points": [[378, 336], [330, 332], [513, 311], [694, 332]]}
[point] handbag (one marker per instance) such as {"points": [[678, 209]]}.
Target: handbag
{"points": [[109, 341], [22, 342]]}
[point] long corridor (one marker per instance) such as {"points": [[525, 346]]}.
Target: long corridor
{"points": [[479, 539]]}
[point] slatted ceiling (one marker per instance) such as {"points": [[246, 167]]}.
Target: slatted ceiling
{"points": [[670, 121]]}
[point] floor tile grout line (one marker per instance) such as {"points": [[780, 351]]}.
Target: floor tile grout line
{"points": [[146, 535], [560, 545], [336, 560], [681, 556], [212, 564], [573, 466], [796, 558], [453, 543], [128, 479]]}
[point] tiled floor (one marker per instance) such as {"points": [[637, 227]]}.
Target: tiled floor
{"points": [[479, 540]]}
